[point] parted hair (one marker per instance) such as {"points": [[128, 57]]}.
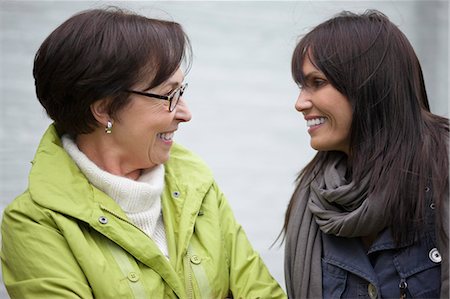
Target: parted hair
{"points": [[98, 54], [394, 137]]}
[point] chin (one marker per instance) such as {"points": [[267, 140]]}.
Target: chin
{"points": [[161, 160], [315, 147]]}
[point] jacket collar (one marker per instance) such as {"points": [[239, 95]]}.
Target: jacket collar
{"points": [[56, 183], [349, 254]]}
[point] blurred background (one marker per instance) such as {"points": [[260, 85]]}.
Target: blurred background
{"points": [[240, 92]]}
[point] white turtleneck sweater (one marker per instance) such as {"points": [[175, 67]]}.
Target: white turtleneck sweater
{"points": [[140, 199]]}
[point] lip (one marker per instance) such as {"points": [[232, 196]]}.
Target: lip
{"points": [[167, 142], [168, 132], [309, 117], [314, 127]]}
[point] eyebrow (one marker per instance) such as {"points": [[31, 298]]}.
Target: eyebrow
{"points": [[173, 84], [312, 74]]}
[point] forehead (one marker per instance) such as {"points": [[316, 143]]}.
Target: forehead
{"points": [[309, 70], [175, 80], [308, 66]]}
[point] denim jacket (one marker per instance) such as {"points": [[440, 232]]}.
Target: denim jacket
{"points": [[385, 270]]}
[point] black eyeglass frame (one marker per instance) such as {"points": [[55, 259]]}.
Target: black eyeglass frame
{"points": [[169, 97]]}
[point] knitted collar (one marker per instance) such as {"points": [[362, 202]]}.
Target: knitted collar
{"points": [[132, 196]]}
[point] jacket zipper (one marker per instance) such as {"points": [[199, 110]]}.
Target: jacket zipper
{"points": [[121, 218]]}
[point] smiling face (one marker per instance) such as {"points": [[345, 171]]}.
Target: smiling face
{"points": [[144, 129], [327, 112], [142, 132]]}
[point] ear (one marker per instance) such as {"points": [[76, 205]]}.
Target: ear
{"points": [[100, 112]]}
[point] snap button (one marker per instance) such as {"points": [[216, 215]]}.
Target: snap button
{"points": [[403, 285], [372, 291], [176, 194], [103, 220], [427, 189], [133, 276], [195, 260], [435, 256], [432, 206]]}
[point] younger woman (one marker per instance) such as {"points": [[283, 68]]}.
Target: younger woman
{"points": [[369, 216]]}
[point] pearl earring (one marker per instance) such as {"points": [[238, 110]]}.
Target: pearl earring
{"points": [[108, 129]]}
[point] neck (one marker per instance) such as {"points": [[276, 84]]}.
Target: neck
{"points": [[106, 155]]}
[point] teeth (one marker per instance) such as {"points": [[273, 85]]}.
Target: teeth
{"points": [[166, 136], [315, 121]]}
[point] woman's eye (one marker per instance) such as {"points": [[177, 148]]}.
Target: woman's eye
{"points": [[314, 83], [169, 93], [319, 82]]}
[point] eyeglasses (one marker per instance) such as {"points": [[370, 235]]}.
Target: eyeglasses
{"points": [[173, 98]]}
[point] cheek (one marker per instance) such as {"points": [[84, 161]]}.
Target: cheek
{"points": [[344, 130], [152, 151], [345, 115], [344, 124], [348, 120]]}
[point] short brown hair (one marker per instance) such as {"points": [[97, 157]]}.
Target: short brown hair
{"points": [[99, 53]]}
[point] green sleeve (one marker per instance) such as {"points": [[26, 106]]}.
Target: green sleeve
{"points": [[249, 277], [36, 259]]}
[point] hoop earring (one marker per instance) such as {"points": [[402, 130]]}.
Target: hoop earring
{"points": [[108, 129]]}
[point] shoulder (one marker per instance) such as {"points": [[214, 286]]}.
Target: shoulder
{"points": [[23, 210], [186, 165], [22, 203]]}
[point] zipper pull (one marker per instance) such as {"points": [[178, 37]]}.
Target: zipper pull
{"points": [[403, 286]]}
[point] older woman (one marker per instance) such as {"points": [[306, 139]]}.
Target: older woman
{"points": [[114, 208], [369, 216]]}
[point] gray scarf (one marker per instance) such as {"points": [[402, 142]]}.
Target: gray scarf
{"points": [[332, 205]]}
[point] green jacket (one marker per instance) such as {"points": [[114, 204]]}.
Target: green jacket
{"points": [[64, 238]]}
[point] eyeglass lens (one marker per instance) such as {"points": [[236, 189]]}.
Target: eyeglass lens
{"points": [[176, 98]]}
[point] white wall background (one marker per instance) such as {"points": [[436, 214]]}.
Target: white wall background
{"points": [[240, 92]]}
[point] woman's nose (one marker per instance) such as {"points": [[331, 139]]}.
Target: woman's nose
{"points": [[182, 112], [303, 102]]}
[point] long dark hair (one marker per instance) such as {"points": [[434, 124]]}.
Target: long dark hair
{"points": [[393, 134]]}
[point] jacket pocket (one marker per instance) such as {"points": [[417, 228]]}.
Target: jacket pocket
{"points": [[333, 280], [419, 265]]}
